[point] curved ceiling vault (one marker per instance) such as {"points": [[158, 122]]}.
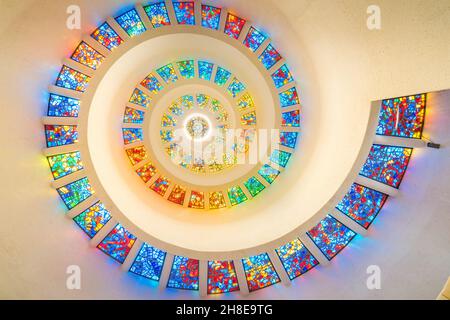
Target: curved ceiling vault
{"points": [[150, 75]]}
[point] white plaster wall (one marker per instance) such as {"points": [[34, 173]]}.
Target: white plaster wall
{"points": [[410, 240]]}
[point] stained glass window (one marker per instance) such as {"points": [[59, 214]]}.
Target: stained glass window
{"points": [[157, 13], [210, 17], [197, 200], [269, 57], [217, 200], [289, 97], [203, 100], [71, 79], [187, 101], [254, 39], [131, 23], [296, 259], [146, 172], [233, 26], [216, 106], [160, 186], [118, 243], [290, 119], [402, 117], [168, 121], [62, 165], [107, 37], [60, 106], [184, 274], [254, 186], [236, 195], [280, 157], [168, 73], [87, 56], [140, 98], [282, 76], [149, 262], [268, 173], [235, 87], [93, 219], [222, 76], [60, 135], [184, 11], [75, 192], [133, 116], [176, 109], [386, 164], [205, 70], [362, 204], [331, 236], [288, 139], [222, 277], [132, 135], [136, 154], [246, 102], [152, 84], [260, 272], [177, 195], [166, 135], [249, 119], [186, 68]]}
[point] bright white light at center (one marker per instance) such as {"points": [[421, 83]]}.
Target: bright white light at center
{"points": [[194, 121]]}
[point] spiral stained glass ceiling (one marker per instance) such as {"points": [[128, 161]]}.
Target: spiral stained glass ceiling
{"points": [[206, 133], [190, 102]]}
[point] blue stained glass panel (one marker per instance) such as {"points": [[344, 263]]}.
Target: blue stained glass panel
{"points": [[259, 271], [118, 243], [184, 274], [282, 76], [280, 157], [269, 57], [168, 73], [254, 39], [107, 37], [60, 135], [289, 98], [75, 192], [71, 79], [362, 204], [331, 236], [184, 12], [133, 116], [222, 76], [210, 17], [60, 106], [387, 164], [290, 119], [131, 23], [132, 135], [268, 173], [288, 139], [140, 98], [296, 259], [235, 87], [402, 117], [157, 13], [93, 219], [205, 70], [149, 262]]}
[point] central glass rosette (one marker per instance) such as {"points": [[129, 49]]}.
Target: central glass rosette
{"points": [[198, 127], [194, 132]]}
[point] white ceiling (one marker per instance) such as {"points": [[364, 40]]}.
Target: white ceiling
{"points": [[340, 65]]}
